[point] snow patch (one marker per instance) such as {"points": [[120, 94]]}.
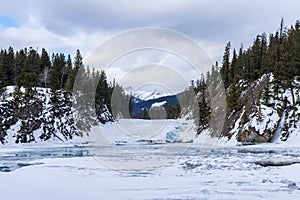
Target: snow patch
{"points": [[158, 104]]}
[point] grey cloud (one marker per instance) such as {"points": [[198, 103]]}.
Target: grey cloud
{"points": [[210, 21], [151, 45], [153, 76]]}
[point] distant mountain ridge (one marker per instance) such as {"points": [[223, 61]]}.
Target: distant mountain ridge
{"points": [[140, 105], [146, 95], [145, 100]]}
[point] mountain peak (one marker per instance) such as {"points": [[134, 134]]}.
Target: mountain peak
{"points": [[147, 95]]}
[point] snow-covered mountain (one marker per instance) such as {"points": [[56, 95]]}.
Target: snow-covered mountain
{"points": [[155, 94], [146, 95]]}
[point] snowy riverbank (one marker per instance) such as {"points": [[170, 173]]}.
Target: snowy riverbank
{"points": [[67, 171], [225, 173]]}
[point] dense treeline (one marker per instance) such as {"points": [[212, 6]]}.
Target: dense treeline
{"points": [[277, 53], [30, 69]]}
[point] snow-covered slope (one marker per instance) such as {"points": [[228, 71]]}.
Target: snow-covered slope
{"points": [[43, 115], [273, 117]]}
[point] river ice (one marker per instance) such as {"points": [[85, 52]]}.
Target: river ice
{"points": [[269, 171]]}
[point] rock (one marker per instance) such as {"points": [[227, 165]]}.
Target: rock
{"points": [[252, 136], [273, 163]]}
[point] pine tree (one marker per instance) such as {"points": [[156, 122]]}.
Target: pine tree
{"points": [[119, 101], [6, 68], [56, 73], [19, 67], [73, 72], [2, 73], [11, 64], [233, 97], [241, 64], [233, 67], [255, 59], [263, 55], [30, 72], [281, 30], [2, 76], [226, 65], [78, 60], [204, 109], [63, 71], [271, 56], [102, 97]]}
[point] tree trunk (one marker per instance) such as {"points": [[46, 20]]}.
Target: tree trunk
{"points": [[293, 97]]}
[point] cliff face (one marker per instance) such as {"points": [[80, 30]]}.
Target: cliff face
{"points": [[270, 113], [43, 115]]}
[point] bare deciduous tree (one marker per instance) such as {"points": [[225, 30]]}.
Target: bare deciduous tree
{"points": [[44, 77]]}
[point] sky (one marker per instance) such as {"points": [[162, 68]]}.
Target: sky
{"points": [[64, 26]]}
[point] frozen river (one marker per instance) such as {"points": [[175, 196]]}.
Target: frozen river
{"points": [[75, 172]]}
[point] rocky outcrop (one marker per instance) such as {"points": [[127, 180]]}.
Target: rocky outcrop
{"points": [[261, 117], [249, 98], [252, 135]]}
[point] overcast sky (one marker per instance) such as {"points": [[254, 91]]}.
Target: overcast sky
{"points": [[66, 25]]}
